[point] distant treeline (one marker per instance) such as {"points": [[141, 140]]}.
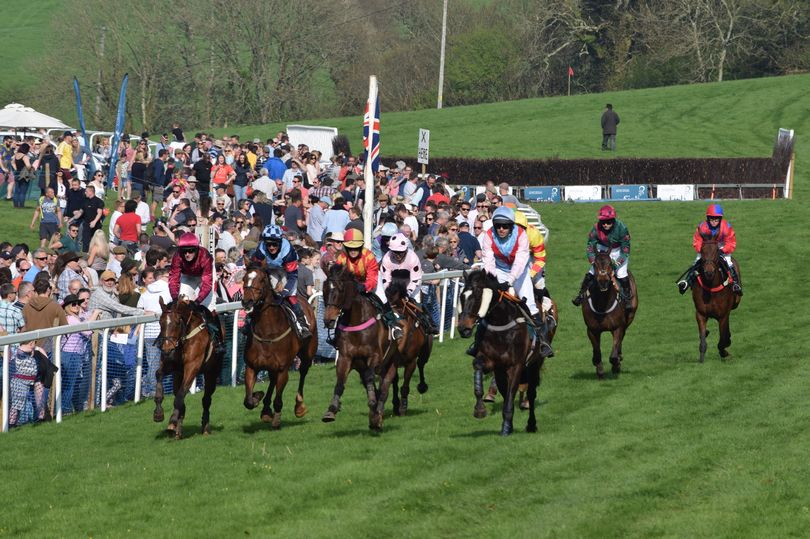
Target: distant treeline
{"points": [[227, 62]]}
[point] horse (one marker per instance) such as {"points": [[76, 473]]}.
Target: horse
{"points": [[603, 310], [273, 344], [417, 344], [363, 342], [186, 349], [713, 296], [506, 346]]}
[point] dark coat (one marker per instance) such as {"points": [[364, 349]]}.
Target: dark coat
{"points": [[609, 122]]}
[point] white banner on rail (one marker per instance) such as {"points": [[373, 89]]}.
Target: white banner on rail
{"points": [[583, 192], [675, 192]]}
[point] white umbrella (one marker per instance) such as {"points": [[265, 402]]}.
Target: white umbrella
{"points": [[22, 117]]}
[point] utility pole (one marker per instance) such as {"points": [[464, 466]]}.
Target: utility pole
{"points": [[97, 108], [441, 55]]}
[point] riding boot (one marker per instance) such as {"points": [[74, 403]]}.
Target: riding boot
{"points": [[586, 283], [688, 279], [542, 333], [215, 329], [737, 285], [391, 320], [473, 349], [627, 292], [301, 321], [332, 341]]}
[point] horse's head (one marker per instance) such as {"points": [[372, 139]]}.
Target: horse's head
{"points": [[175, 319], [339, 291], [259, 285], [476, 299], [709, 258], [603, 271], [397, 291]]}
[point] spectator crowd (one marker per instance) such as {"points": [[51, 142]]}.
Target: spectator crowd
{"points": [[93, 263]]}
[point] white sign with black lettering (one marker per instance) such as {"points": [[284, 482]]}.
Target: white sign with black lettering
{"points": [[424, 147]]}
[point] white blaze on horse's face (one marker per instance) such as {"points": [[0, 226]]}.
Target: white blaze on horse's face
{"points": [[466, 297], [251, 276], [486, 299]]}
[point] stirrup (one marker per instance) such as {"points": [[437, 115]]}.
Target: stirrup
{"points": [[683, 286], [396, 332], [472, 350], [577, 301], [737, 289]]}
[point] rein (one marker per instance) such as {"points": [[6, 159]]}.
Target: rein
{"points": [[717, 288]]}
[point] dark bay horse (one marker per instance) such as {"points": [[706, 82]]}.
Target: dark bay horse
{"points": [[363, 341], [186, 349], [414, 347], [506, 346], [603, 310], [273, 343], [713, 296]]}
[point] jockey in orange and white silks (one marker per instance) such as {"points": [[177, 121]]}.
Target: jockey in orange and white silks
{"points": [[505, 251], [715, 228]]}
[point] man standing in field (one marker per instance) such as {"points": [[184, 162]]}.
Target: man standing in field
{"points": [[609, 122]]}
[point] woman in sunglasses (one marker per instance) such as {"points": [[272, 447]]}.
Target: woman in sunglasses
{"points": [[608, 235]]}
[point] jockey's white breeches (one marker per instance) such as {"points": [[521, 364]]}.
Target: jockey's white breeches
{"points": [[190, 287], [522, 285], [615, 254]]}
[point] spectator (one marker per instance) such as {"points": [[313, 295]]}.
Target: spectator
{"points": [[610, 120], [50, 216], [66, 271], [275, 166], [226, 237], [40, 263], [105, 298], [25, 291], [11, 317], [128, 227], [71, 241], [119, 253], [24, 379], [336, 219], [74, 197], [468, 244], [99, 252], [294, 214], [75, 352], [42, 312], [92, 213], [316, 218], [150, 301]]}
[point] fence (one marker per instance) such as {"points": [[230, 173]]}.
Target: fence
{"points": [[232, 371]]}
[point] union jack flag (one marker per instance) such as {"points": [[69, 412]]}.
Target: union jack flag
{"points": [[374, 152]]}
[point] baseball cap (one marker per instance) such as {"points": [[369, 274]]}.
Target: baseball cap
{"points": [[337, 236], [70, 299], [191, 179], [325, 200], [107, 274], [119, 250], [5, 255]]}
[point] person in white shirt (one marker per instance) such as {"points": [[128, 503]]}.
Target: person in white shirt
{"points": [[265, 184], [117, 212], [150, 301], [226, 237], [143, 209]]}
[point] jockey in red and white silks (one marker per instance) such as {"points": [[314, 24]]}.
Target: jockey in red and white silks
{"points": [[506, 255]]}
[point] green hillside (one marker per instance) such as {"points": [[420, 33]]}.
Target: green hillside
{"points": [[25, 30], [735, 118]]}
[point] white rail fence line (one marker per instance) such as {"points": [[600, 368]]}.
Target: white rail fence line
{"points": [[56, 333]]}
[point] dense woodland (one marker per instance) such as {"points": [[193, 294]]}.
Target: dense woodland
{"points": [[218, 62]]}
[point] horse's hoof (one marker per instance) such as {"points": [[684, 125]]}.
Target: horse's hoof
{"points": [[524, 404], [300, 409], [506, 430], [479, 412], [600, 371], [489, 397], [171, 427], [206, 429], [616, 368], [249, 404], [531, 428], [328, 417], [267, 417], [724, 353], [277, 421], [422, 388], [158, 416]]}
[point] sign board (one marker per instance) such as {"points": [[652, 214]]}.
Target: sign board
{"points": [[583, 192], [424, 147], [542, 194], [629, 192], [675, 192]]}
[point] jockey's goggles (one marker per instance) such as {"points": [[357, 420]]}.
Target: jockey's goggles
{"points": [[713, 218], [187, 250], [507, 226], [273, 243], [608, 221]]}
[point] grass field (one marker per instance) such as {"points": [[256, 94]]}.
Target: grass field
{"points": [[25, 27], [671, 448]]}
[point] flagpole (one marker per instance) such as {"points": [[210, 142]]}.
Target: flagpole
{"points": [[368, 173], [569, 81]]}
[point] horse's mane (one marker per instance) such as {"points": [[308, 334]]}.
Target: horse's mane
{"points": [[397, 290], [338, 272], [480, 276]]}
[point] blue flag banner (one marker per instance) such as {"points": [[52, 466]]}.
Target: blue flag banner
{"points": [[629, 192], [91, 165], [372, 151], [119, 131]]}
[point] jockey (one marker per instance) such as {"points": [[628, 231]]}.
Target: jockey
{"points": [[191, 274], [608, 235], [718, 229], [380, 244], [505, 252], [401, 259], [276, 252], [361, 263], [537, 266]]}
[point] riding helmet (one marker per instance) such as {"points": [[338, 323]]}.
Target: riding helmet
{"points": [[503, 215], [272, 232], [521, 220], [388, 230], [353, 239], [399, 243], [714, 210], [188, 239], [607, 212]]}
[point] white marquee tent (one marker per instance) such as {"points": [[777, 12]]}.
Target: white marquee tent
{"points": [[21, 117]]}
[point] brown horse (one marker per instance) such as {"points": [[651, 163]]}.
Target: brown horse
{"points": [[505, 345], [713, 296], [603, 310], [273, 343], [186, 349], [363, 341], [416, 344]]}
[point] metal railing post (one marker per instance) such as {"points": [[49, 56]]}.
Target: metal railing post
{"points": [[453, 309], [102, 391], [6, 385], [443, 310], [234, 347], [139, 365], [56, 386]]}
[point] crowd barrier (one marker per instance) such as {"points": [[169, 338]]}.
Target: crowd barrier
{"points": [[109, 376]]}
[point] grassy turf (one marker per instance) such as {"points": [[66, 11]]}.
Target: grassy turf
{"points": [[25, 30], [670, 448]]}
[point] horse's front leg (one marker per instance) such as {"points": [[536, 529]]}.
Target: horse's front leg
{"points": [[278, 403], [533, 377], [596, 359], [342, 369], [188, 375], [300, 407], [389, 371], [406, 386], [158, 414], [725, 336], [210, 387], [512, 380], [616, 351], [480, 410], [251, 399], [267, 412], [701, 322]]}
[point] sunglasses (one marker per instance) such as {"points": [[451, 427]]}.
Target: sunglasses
{"points": [[188, 251], [503, 226], [477, 227], [109, 280], [465, 209], [428, 218], [41, 258], [176, 192]]}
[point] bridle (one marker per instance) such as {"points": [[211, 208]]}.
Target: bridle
{"points": [[176, 342]]}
